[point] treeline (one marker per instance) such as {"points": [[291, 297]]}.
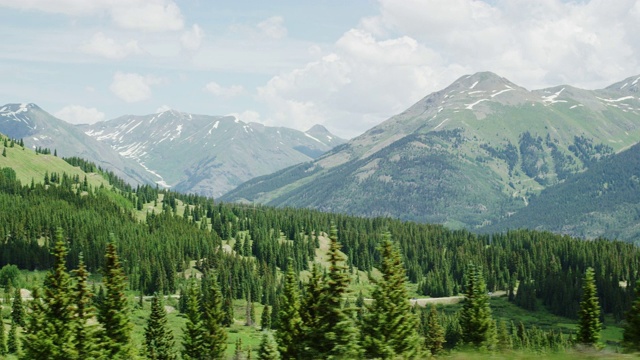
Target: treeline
{"points": [[263, 240]]}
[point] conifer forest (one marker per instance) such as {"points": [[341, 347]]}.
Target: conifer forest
{"points": [[120, 272]]}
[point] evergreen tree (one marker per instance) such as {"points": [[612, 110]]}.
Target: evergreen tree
{"points": [[268, 347], [86, 336], [289, 327], [475, 317], [158, 337], [215, 337], [505, 341], [13, 343], [3, 341], [390, 328], [4, 152], [36, 344], [310, 313], [113, 313], [50, 334], [631, 335], [265, 319], [238, 354], [340, 336], [434, 339], [194, 332], [17, 308], [589, 315]]}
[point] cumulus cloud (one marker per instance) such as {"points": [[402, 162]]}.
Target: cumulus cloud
{"points": [[248, 116], [273, 27], [218, 90], [104, 46], [192, 39], [414, 47], [132, 87], [77, 114], [146, 15]]}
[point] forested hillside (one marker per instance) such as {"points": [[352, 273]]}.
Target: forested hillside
{"points": [[601, 201], [162, 237]]}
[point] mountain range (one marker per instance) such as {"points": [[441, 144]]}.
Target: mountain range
{"points": [[203, 154], [468, 156], [39, 129]]}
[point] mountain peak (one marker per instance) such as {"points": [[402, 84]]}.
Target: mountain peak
{"points": [[317, 128], [630, 84], [485, 80]]}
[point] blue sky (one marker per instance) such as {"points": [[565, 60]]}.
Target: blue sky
{"points": [[348, 65]]}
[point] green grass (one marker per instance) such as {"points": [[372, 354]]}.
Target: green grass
{"points": [[29, 165]]}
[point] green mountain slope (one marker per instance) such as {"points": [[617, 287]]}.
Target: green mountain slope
{"points": [[40, 129], [603, 201], [29, 165], [464, 156]]}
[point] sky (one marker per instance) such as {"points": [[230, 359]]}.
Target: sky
{"points": [[347, 65]]}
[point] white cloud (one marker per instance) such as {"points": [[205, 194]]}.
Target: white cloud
{"points": [[104, 46], [163, 108], [414, 47], [146, 15], [132, 87], [218, 90], [273, 27], [77, 114], [248, 116], [149, 16], [192, 39]]}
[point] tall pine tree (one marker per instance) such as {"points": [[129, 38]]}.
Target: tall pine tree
{"points": [[215, 337], [194, 332], [434, 333], [289, 327], [390, 328], [340, 335], [157, 335], [589, 325], [475, 317], [49, 333], [17, 308], [3, 341], [113, 313]]}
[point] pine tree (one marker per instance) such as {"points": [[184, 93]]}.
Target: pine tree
{"points": [[13, 343], [265, 319], [631, 335], [434, 333], [340, 336], [3, 341], [17, 308], [86, 335], [475, 317], [113, 314], [4, 152], [193, 333], [215, 338], [589, 315], [310, 313], [289, 327], [238, 354], [158, 336], [49, 333], [390, 328], [505, 341], [268, 347]]}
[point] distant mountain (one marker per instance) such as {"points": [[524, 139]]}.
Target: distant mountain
{"points": [[464, 156], [208, 155], [40, 129], [603, 201]]}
